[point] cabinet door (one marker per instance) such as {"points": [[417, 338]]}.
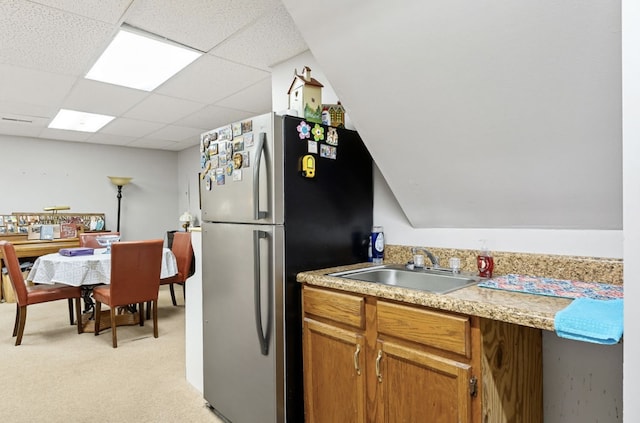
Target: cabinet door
{"points": [[422, 387], [334, 378]]}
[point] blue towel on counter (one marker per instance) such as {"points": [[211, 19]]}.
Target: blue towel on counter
{"points": [[589, 320]]}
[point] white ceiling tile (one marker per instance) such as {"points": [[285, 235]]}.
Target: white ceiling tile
{"points": [[175, 133], [106, 11], [256, 98], [153, 143], [36, 121], [62, 134], [98, 97], [181, 145], [188, 142], [270, 40], [47, 46], [27, 111], [201, 24], [22, 129], [210, 79], [161, 108], [130, 127], [23, 85], [101, 138], [212, 117], [40, 37]]}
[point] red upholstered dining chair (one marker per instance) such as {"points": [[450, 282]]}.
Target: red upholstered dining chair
{"points": [[182, 249], [135, 279], [89, 239], [29, 295]]}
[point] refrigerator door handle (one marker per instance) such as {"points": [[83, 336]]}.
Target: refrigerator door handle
{"points": [[257, 302], [257, 214]]}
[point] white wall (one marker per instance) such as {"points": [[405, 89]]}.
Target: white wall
{"points": [[188, 183], [578, 387], [631, 217], [37, 173], [474, 111], [387, 212]]}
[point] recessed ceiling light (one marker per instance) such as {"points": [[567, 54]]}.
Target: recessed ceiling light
{"points": [[136, 60], [79, 121]]}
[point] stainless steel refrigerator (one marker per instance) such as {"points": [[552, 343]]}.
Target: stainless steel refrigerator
{"points": [[279, 196]]}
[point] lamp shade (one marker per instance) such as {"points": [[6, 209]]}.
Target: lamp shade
{"points": [[56, 208], [120, 180], [186, 217]]}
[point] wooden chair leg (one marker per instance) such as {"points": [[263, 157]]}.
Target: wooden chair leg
{"points": [[96, 329], [15, 324], [70, 302], [22, 318], [79, 314], [114, 337], [173, 294], [155, 318], [148, 310], [141, 313]]}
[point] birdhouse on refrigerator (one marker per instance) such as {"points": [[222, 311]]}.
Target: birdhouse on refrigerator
{"points": [[335, 113], [305, 96]]}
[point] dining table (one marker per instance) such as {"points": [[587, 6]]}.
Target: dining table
{"points": [[90, 269], [87, 271]]}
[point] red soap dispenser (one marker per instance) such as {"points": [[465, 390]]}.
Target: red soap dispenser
{"points": [[485, 261]]}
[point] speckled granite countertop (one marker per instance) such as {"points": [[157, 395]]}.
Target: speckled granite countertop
{"points": [[535, 311]]}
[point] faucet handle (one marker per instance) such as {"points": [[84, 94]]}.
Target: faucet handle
{"points": [[454, 264]]}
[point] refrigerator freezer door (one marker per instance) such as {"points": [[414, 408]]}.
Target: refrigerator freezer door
{"points": [[243, 321], [250, 193]]}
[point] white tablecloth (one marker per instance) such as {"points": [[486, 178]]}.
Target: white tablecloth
{"points": [[86, 270]]}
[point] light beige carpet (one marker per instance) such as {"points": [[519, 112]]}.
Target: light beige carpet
{"points": [[57, 375]]}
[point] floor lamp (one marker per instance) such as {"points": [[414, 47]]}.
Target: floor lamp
{"points": [[119, 181]]}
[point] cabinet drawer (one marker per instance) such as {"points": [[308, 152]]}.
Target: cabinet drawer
{"points": [[342, 308], [445, 331]]}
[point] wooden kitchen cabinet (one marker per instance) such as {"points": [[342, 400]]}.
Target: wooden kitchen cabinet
{"points": [[423, 365], [418, 386], [334, 380], [375, 360]]}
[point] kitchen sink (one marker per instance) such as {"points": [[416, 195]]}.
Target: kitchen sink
{"points": [[440, 281]]}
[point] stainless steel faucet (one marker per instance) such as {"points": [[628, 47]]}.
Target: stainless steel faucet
{"points": [[435, 262]]}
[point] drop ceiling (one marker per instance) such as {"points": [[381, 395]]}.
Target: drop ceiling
{"points": [[47, 46]]}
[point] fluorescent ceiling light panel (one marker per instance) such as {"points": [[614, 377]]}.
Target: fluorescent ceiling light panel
{"points": [[79, 121], [140, 62]]}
